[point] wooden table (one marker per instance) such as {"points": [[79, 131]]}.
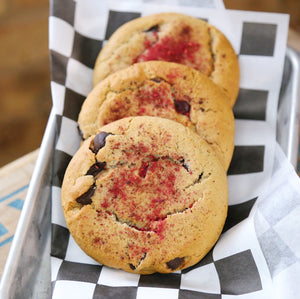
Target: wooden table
{"points": [[294, 40]]}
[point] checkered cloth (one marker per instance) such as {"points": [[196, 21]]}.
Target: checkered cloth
{"points": [[236, 266], [278, 227]]}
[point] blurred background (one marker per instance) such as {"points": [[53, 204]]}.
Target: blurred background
{"points": [[25, 98]]}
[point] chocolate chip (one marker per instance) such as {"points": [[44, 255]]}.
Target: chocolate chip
{"points": [[154, 28], [175, 263], [99, 141], [96, 168], [200, 176], [186, 30], [132, 267], [85, 198], [156, 80], [182, 107]]}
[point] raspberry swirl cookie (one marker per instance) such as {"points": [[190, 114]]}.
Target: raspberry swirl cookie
{"points": [[176, 38], [145, 194], [168, 90]]}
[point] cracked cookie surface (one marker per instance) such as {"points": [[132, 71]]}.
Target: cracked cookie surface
{"points": [[176, 38], [167, 90], [145, 194]]}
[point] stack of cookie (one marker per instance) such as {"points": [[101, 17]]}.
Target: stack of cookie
{"points": [[147, 190]]}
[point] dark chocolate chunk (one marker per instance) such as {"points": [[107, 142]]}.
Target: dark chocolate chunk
{"points": [[85, 198], [154, 28], [200, 176], [132, 267], [175, 263], [99, 141], [157, 80], [96, 168], [182, 107], [186, 30]]}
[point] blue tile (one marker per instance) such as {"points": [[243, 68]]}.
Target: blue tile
{"points": [[6, 241], [13, 193], [3, 229], [17, 204]]}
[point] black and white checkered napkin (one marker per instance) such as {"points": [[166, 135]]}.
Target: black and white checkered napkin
{"points": [[236, 266]]}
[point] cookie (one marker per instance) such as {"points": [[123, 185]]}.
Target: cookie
{"points": [[168, 90], [146, 194], [176, 38]]}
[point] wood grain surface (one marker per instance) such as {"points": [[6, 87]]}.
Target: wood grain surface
{"points": [[25, 100]]}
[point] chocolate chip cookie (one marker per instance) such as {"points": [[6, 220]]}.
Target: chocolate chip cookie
{"points": [[168, 90], [145, 194], [176, 38]]}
